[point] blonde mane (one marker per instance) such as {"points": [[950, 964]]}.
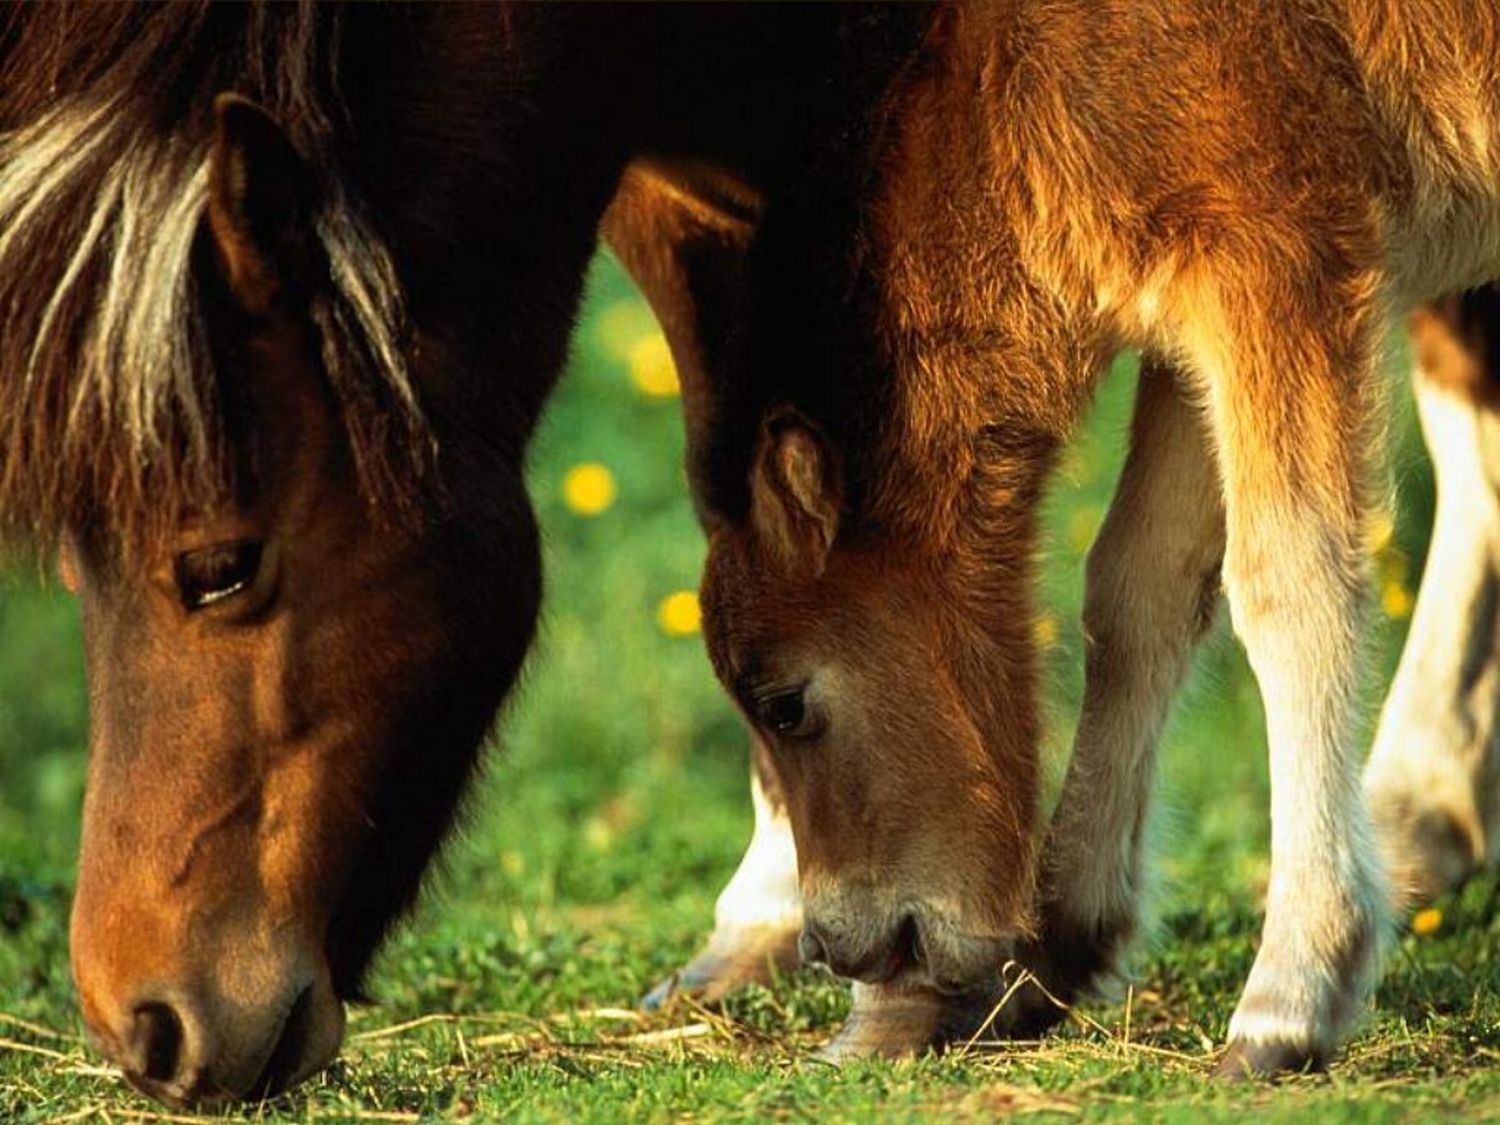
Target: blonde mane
{"points": [[112, 412]]}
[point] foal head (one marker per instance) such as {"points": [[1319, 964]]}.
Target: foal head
{"points": [[879, 675]]}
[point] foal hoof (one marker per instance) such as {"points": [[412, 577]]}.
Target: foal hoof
{"points": [[1249, 1061], [732, 959], [897, 1021]]}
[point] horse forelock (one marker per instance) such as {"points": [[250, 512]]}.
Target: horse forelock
{"points": [[110, 411]]}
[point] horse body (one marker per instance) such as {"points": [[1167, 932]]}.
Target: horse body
{"points": [[1245, 195]]}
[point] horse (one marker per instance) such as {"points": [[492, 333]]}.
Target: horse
{"points": [[1244, 195], [284, 290]]}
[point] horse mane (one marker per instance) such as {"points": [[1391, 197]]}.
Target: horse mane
{"points": [[112, 414]]}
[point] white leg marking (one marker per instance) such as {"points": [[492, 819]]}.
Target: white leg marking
{"points": [[763, 890], [1432, 774], [1289, 394]]}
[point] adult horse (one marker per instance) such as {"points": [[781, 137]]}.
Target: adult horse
{"points": [[284, 288], [1244, 194]]}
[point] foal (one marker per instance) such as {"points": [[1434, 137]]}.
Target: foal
{"points": [[1245, 196]]}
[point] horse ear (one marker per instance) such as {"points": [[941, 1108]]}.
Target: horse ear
{"points": [[260, 205], [795, 493]]}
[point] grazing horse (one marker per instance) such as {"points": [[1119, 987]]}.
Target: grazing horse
{"points": [[284, 288], [1245, 194]]}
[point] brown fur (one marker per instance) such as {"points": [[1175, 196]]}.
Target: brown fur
{"points": [[957, 220], [1244, 192]]}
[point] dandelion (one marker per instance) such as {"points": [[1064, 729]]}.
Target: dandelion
{"points": [[597, 834], [1083, 526], [622, 325], [1045, 631], [651, 367], [589, 488], [679, 614], [1380, 530], [1425, 923], [1396, 601]]}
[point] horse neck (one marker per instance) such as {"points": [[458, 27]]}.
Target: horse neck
{"points": [[913, 333]]}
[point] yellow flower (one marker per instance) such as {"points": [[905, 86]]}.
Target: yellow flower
{"points": [[1379, 530], [1395, 600], [589, 488], [679, 614], [1083, 526], [1425, 923], [651, 367], [1045, 631], [597, 834], [621, 326]]}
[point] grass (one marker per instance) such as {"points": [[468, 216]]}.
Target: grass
{"points": [[615, 807]]}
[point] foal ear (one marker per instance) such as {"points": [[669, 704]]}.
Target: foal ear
{"points": [[260, 205], [795, 494]]}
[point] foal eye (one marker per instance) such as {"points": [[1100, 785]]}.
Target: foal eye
{"points": [[785, 713], [212, 574]]}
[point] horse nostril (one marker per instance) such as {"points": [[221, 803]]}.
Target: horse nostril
{"points": [[812, 947], [155, 1042], [909, 941], [286, 1056]]}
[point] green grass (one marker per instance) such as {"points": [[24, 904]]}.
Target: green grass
{"points": [[615, 807]]}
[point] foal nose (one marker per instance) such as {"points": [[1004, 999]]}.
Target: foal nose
{"points": [[812, 947], [873, 960]]}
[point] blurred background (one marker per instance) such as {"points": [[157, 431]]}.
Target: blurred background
{"points": [[615, 803]]}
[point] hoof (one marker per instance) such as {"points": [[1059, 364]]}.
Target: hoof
{"points": [[1250, 1061], [732, 960], [896, 1021]]}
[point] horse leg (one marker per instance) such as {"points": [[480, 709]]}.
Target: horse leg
{"points": [[1153, 581], [1291, 391], [759, 913], [1432, 775], [1152, 591]]}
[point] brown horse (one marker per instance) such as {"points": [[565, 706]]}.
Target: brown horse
{"points": [[284, 288], [1244, 194], [268, 365]]}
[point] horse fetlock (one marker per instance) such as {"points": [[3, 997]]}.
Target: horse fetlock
{"points": [[735, 956], [1431, 846], [1309, 985], [1430, 812]]}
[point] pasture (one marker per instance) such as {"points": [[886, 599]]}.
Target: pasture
{"points": [[615, 805]]}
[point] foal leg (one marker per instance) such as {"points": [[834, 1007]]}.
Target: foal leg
{"points": [[1290, 391], [1152, 590], [1433, 779], [759, 913], [1153, 582]]}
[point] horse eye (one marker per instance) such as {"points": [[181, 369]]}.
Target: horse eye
{"points": [[212, 574], [784, 713]]}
